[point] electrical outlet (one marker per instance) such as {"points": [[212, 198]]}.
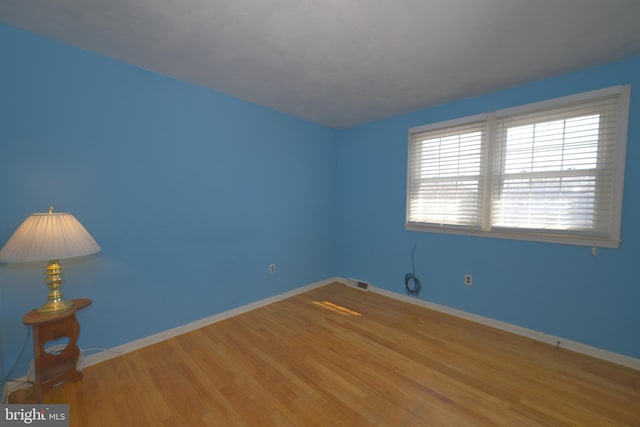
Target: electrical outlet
{"points": [[468, 279], [272, 268]]}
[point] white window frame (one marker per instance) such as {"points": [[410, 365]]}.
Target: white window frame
{"points": [[484, 228]]}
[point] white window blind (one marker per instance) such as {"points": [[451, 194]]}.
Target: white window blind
{"points": [[446, 175], [550, 171], [555, 169]]}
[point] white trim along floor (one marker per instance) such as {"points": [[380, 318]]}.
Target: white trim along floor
{"points": [[518, 330]]}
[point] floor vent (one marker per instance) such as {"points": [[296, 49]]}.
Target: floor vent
{"points": [[358, 284]]}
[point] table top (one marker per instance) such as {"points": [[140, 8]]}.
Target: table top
{"points": [[35, 317]]}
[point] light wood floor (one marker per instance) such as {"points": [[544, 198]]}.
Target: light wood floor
{"points": [[296, 363]]}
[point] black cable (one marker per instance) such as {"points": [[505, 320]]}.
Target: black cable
{"points": [[15, 364], [7, 377], [411, 277]]}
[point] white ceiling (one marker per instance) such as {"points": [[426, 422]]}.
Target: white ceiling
{"points": [[343, 62]]}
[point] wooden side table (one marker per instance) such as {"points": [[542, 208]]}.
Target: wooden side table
{"points": [[53, 369]]}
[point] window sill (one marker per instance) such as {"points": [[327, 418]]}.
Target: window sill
{"points": [[514, 235]]}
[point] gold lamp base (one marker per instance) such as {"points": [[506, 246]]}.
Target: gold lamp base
{"points": [[54, 306], [54, 303]]}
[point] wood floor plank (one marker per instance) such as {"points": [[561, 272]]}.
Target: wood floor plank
{"points": [[351, 358]]}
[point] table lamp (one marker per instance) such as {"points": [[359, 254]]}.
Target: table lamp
{"points": [[49, 237]]}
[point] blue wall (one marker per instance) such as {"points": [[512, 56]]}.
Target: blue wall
{"points": [[2, 371], [557, 289], [190, 193]]}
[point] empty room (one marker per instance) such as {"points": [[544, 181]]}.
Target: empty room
{"points": [[306, 213]]}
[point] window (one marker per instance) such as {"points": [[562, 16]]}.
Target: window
{"points": [[550, 171]]}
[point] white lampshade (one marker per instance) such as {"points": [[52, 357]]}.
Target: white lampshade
{"points": [[48, 236]]}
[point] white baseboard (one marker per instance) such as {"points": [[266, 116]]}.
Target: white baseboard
{"points": [[578, 347], [107, 354], [518, 330], [170, 333]]}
